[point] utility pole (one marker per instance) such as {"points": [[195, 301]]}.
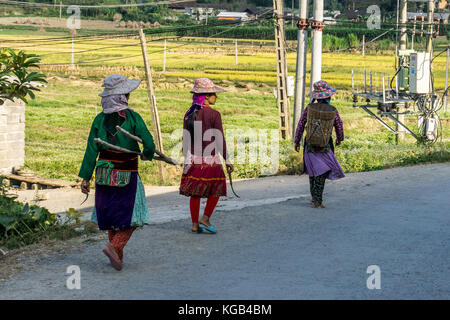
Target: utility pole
{"points": [[153, 106], [284, 109], [446, 79], [293, 15], [300, 77], [316, 49], [400, 135], [430, 26], [363, 45]]}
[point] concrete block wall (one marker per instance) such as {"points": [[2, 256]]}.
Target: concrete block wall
{"points": [[12, 135]]}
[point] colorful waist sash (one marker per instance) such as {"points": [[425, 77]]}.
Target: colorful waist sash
{"points": [[114, 168]]}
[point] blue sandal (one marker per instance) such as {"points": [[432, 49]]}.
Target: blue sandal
{"points": [[210, 229]]}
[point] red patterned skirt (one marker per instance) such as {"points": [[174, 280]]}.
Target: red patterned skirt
{"points": [[203, 178]]}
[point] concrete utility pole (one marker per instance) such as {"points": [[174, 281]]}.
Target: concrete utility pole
{"points": [[430, 25], [300, 77], [316, 49], [153, 106], [284, 109], [400, 135]]}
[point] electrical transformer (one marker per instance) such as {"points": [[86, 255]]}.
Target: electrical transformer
{"points": [[419, 73]]}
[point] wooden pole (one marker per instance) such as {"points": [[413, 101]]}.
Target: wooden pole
{"points": [[282, 72], [73, 55], [300, 73], [236, 51], [153, 106], [363, 45], [446, 79], [165, 53]]}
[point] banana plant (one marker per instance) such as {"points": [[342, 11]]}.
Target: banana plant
{"points": [[16, 79]]}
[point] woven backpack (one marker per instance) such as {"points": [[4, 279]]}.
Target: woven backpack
{"points": [[319, 125]]}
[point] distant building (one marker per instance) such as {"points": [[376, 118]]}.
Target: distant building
{"points": [[233, 16], [329, 21], [442, 17], [352, 14], [333, 14], [200, 11]]}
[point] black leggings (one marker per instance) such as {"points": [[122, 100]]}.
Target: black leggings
{"points": [[316, 186]]}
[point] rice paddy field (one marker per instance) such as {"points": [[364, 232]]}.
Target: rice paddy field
{"points": [[59, 119]]}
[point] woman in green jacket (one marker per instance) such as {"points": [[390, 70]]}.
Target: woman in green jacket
{"points": [[120, 204]]}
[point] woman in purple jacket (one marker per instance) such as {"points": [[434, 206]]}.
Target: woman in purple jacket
{"points": [[320, 162]]}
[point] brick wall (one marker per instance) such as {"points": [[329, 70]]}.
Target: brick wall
{"points": [[12, 135]]}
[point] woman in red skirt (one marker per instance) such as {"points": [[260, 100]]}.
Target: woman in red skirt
{"points": [[203, 142]]}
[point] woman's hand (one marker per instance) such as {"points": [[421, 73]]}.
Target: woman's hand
{"points": [[297, 147], [85, 186], [338, 143], [143, 158], [230, 168]]}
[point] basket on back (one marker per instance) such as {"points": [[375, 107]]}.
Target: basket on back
{"points": [[319, 125]]}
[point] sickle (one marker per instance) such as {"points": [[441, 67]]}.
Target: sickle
{"points": [[231, 184], [87, 196]]}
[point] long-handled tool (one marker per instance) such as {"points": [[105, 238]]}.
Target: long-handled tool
{"points": [[161, 157]]}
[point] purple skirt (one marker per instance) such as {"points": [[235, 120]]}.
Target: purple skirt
{"points": [[114, 205], [318, 163]]}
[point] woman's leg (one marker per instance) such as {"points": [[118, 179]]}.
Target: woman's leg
{"points": [[120, 239], [195, 208], [209, 209], [311, 187], [195, 212], [211, 205], [111, 234], [319, 186]]}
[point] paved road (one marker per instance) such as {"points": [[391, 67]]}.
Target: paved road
{"points": [[277, 248]]}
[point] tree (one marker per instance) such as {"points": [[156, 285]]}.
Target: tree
{"points": [[16, 77]]}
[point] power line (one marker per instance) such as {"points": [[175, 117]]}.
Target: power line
{"points": [[48, 5], [235, 25]]}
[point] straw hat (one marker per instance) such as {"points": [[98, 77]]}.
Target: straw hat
{"points": [[205, 85], [322, 90], [118, 84]]}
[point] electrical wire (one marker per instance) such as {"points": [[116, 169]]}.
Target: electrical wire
{"points": [[237, 24], [48, 5]]}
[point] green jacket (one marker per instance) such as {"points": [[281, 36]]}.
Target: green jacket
{"points": [[133, 124]]}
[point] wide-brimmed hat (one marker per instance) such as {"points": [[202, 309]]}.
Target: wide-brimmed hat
{"points": [[118, 84], [205, 85], [322, 90]]}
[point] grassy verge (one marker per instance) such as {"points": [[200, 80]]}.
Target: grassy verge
{"points": [[58, 123]]}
